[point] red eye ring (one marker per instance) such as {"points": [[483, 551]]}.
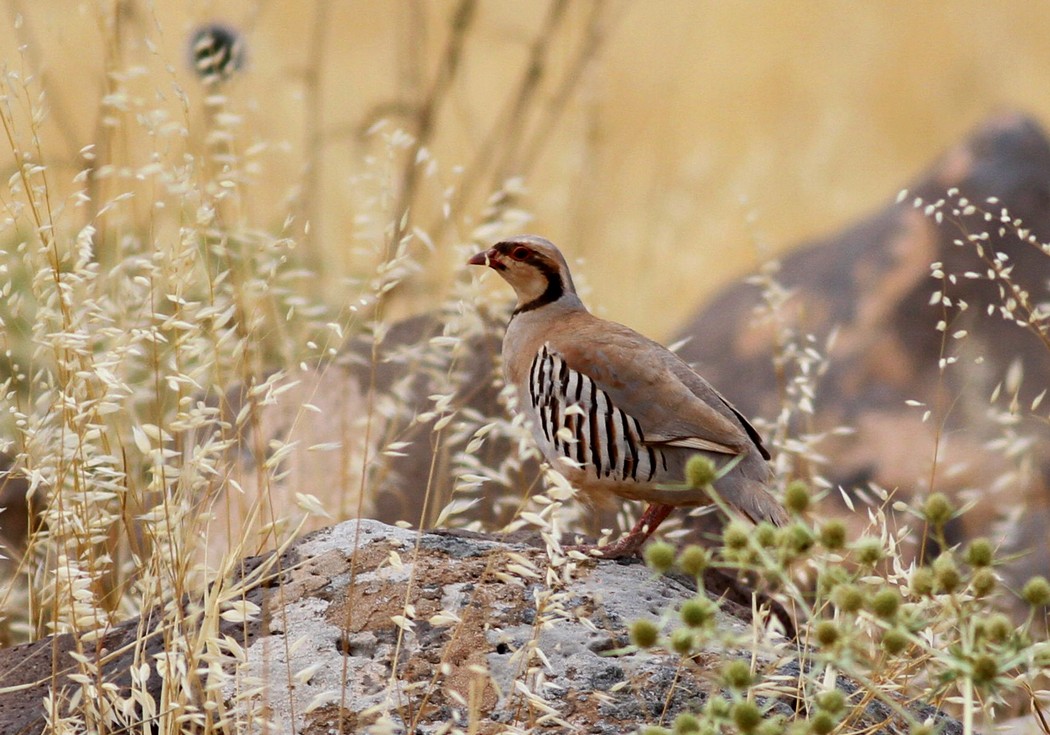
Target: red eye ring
{"points": [[519, 253]]}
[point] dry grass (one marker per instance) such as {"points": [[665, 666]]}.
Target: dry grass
{"points": [[166, 237], [689, 132]]}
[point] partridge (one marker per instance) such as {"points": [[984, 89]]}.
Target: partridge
{"points": [[614, 411]]}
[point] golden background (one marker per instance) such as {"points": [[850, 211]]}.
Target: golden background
{"points": [[694, 139]]}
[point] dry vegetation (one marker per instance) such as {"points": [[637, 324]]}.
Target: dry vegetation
{"points": [[167, 235]]}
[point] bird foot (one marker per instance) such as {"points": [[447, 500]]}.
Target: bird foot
{"points": [[625, 548], [630, 544]]}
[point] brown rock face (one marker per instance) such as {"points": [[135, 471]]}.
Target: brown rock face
{"points": [[16, 518], [375, 407], [873, 284]]}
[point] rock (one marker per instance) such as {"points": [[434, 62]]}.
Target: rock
{"points": [[412, 483], [495, 635], [872, 283], [16, 518], [30, 672]]}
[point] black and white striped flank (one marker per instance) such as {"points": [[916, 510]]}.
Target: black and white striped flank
{"points": [[579, 421]]}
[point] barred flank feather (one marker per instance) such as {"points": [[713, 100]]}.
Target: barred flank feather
{"points": [[600, 436]]}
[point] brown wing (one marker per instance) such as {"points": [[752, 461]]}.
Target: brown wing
{"points": [[645, 380]]}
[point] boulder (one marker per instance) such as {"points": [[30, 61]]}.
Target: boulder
{"points": [[375, 409], [872, 285], [364, 625], [16, 519]]}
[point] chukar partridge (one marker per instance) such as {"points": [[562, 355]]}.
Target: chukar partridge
{"points": [[613, 411]]}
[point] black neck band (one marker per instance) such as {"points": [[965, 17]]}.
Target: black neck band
{"points": [[554, 291]]}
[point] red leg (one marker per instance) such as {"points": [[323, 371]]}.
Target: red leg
{"points": [[629, 545]]}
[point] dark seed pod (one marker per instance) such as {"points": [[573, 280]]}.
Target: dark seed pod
{"points": [[216, 52]]}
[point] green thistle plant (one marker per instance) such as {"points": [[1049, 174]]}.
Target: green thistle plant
{"points": [[1036, 592], [700, 472], [796, 497], [644, 633], [659, 556], [694, 560], [937, 510]]}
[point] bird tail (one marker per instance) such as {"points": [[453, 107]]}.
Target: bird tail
{"points": [[753, 499]]}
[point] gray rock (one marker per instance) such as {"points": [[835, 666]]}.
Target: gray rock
{"points": [[492, 634]]}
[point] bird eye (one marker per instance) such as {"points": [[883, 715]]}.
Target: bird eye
{"points": [[519, 253]]}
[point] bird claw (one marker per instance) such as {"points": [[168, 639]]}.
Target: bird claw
{"points": [[623, 549]]}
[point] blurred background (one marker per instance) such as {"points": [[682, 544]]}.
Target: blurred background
{"points": [[671, 145]]}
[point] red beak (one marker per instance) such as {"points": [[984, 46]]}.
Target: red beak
{"points": [[486, 257]]}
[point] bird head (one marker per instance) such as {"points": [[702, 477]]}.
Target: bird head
{"points": [[534, 268]]}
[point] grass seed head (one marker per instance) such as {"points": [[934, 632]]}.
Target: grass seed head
{"points": [[833, 700], [746, 715], [922, 581], [827, 633], [998, 628], [980, 553], [894, 641], [796, 497], [644, 633], [833, 535], [984, 669], [885, 603], [765, 535], [983, 582], [869, 551], [937, 510], [685, 724], [797, 539], [1036, 592], [829, 578], [659, 555], [1041, 655], [735, 536], [698, 612], [693, 560], [822, 723], [736, 675], [700, 471], [683, 642], [775, 725], [946, 573], [848, 598], [717, 708]]}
